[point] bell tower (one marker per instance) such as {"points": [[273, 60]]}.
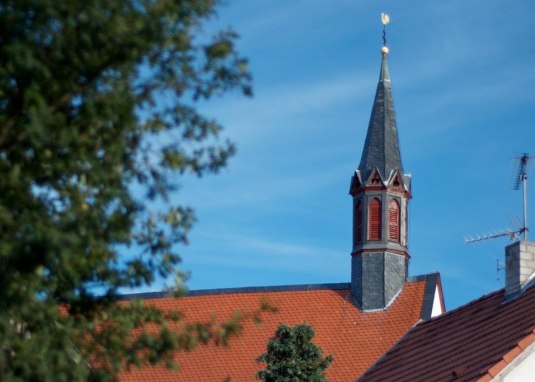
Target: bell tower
{"points": [[381, 192]]}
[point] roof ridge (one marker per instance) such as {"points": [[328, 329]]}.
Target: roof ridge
{"points": [[259, 289], [422, 277], [256, 289], [473, 302]]}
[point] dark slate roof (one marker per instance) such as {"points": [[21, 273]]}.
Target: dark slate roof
{"points": [[473, 342], [381, 148]]}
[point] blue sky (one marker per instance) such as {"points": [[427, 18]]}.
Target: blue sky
{"points": [[463, 77]]}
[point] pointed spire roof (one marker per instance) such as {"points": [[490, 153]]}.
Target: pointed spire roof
{"points": [[381, 149]]}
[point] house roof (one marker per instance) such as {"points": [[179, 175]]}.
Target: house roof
{"points": [[356, 339], [471, 343], [381, 148]]}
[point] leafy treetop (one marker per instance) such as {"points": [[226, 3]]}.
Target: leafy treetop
{"points": [[292, 357], [97, 116]]}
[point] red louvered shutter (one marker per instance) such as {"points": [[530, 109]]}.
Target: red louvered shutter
{"points": [[375, 220], [358, 223], [393, 220]]}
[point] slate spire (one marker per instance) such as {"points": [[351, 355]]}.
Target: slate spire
{"points": [[381, 149], [381, 193]]}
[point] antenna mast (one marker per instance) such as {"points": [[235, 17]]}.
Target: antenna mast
{"points": [[522, 178]]}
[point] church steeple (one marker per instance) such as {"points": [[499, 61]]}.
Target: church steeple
{"points": [[381, 192], [381, 148]]}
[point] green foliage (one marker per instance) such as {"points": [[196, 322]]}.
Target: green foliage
{"points": [[292, 357], [98, 99]]}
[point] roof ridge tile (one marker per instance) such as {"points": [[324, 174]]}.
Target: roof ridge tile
{"points": [[236, 290]]}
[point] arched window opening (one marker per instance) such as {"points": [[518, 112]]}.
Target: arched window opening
{"points": [[358, 222], [375, 225], [393, 220]]}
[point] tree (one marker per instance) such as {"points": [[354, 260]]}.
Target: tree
{"points": [[98, 116], [292, 357]]}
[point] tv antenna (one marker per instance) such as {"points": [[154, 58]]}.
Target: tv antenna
{"points": [[520, 180], [499, 267]]}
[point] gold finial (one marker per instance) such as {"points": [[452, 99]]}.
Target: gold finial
{"points": [[385, 19]]}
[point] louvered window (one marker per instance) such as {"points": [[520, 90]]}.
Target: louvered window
{"points": [[393, 220], [375, 220], [358, 222]]}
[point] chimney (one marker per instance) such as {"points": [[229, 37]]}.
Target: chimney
{"points": [[519, 267]]}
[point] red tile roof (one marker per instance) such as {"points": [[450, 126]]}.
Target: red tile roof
{"points": [[473, 342], [355, 339]]}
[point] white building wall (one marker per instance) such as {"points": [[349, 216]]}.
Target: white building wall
{"points": [[522, 369], [437, 306]]}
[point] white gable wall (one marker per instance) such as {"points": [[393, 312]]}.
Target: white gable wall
{"points": [[437, 306], [521, 369]]}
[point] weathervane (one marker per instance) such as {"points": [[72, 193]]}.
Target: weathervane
{"points": [[385, 19]]}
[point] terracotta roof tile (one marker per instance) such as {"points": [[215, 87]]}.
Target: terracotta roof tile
{"points": [[527, 341], [355, 339], [512, 354], [494, 370], [473, 342]]}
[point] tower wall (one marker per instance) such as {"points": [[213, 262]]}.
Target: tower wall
{"points": [[377, 279]]}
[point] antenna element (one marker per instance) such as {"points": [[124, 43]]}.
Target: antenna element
{"points": [[521, 179]]}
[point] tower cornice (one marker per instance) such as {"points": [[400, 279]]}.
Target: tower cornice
{"points": [[394, 251]]}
